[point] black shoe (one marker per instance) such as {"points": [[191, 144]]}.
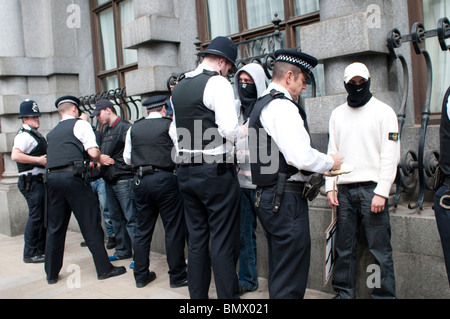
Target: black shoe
{"points": [[34, 260], [52, 281], [182, 283], [83, 244], [151, 277], [243, 290], [115, 271], [112, 243]]}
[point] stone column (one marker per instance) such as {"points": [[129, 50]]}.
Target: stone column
{"points": [[42, 57], [163, 34]]}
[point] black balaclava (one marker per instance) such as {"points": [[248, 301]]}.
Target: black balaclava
{"points": [[358, 95], [248, 95]]}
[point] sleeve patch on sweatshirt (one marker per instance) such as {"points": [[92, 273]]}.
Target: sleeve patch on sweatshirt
{"points": [[393, 137]]}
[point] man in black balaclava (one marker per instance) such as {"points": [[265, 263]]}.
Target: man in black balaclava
{"points": [[250, 84], [364, 131]]}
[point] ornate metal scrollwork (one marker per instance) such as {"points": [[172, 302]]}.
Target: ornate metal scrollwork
{"points": [[125, 104], [424, 163]]}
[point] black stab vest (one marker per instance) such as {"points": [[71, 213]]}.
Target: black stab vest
{"points": [[151, 144], [39, 150], [193, 117], [261, 158], [63, 147]]}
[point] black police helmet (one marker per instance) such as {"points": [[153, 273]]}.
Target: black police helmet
{"points": [[224, 47], [29, 108]]}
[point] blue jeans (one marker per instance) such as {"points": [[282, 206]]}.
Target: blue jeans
{"points": [[98, 186], [443, 224], [248, 276], [123, 215], [355, 209]]}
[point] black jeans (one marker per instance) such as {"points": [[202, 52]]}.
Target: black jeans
{"points": [[355, 209]]}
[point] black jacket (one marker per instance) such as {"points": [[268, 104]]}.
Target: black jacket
{"points": [[113, 144]]}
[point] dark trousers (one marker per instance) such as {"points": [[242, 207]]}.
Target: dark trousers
{"points": [[289, 244], [211, 202], [34, 236], [354, 210], [67, 194], [158, 194], [443, 224]]}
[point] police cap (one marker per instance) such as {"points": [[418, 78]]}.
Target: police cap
{"points": [[304, 61], [156, 101], [68, 99]]}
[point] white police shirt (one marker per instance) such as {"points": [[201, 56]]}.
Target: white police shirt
{"points": [[282, 121], [83, 132]]}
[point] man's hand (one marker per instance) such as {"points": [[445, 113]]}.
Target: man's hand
{"points": [[106, 160], [42, 160], [244, 130], [338, 160], [332, 199], [378, 203]]}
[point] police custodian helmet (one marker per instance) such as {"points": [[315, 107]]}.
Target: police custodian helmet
{"points": [[224, 47], [29, 108]]}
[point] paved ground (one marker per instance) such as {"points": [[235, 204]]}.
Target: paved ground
{"points": [[78, 279]]}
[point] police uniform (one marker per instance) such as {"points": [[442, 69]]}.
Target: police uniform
{"points": [[31, 184], [442, 196], [68, 192], [207, 127], [148, 149], [281, 130]]}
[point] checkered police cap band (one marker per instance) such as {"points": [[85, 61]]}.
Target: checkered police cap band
{"points": [[154, 105], [290, 59], [68, 101]]}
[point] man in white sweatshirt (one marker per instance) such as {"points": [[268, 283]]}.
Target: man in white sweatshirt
{"points": [[364, 131]]}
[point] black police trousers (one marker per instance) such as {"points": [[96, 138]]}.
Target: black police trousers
{"points": [[34, 236], [158, 194], [289, 243], [211, 202], [67, 194]]}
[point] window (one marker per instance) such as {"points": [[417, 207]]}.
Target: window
{"points": [[110, 59], [243, 20], [433, 10]]}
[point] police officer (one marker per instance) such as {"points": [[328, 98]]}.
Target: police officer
{"points": [[71, 144], [281, 133], [207, 127], [148, 150], [442, 196], [29, 151]]}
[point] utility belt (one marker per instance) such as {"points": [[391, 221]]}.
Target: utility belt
{"points": [[29, 178], [81, 169], [308, 190], [142, 171]]}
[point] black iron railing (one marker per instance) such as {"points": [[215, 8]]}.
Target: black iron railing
{"points": [[424, 163], [127, 107]]}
